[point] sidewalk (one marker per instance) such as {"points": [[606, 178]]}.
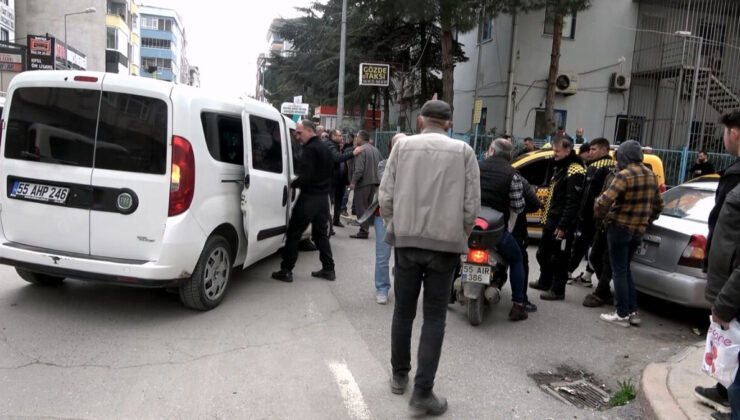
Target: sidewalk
{"points": [[667, 389]]}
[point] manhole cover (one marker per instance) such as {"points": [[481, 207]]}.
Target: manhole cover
{"points": [[573, 387]]}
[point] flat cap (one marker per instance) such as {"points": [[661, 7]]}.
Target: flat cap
{"points": [[437, 109]]}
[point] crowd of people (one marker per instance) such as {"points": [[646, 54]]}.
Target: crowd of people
{"points": [[423, 201]]}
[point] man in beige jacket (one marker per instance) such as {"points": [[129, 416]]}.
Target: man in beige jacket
{"points": [[429, 198]]}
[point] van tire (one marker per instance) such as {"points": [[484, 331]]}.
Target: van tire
{"points": [[206, 287], [39, 278]]}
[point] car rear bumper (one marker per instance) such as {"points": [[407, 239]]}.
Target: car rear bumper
{"points": [[675, 287]]}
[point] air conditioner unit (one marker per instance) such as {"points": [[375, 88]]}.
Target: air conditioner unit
{"points": [[566, 83], [619, 81]]}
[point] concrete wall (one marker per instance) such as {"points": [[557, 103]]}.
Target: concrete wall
{"points": [[603, 34], [85, 32]]}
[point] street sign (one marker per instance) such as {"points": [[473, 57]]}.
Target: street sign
{"points": [[477, 111], [294, 109], [298, 99], [375, 74]]}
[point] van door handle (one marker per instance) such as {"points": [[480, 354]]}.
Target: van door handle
{"points": [[246, 181], [285, 195]]}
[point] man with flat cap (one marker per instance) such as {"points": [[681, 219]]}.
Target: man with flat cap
{"points": [[429, 197]]}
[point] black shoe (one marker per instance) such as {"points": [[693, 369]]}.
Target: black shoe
{"points": [[283, 275], [550, 295], [536, 285], [337, 223], [399, 383], [712, 397], [718, 415], [332, 233], [518, 312], [431, 404], [324, 274], [306, 245], [593, 301], [530, 307], [360, 235]]}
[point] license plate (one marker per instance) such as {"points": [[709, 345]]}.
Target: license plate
{"points": [[476, 273], [39, 192]]}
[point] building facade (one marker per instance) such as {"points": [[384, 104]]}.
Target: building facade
{"points": [[163, 45], [509, 64]]}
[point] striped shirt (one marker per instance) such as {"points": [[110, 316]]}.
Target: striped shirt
{"points": [[632, 201]]}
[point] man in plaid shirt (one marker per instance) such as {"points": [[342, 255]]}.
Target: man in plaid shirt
{"points": [[631, 203]]}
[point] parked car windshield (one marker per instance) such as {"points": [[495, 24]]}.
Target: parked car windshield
{"points": [[688, 203]]}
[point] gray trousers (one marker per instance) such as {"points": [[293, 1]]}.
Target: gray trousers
{"points": [[363, 199]]}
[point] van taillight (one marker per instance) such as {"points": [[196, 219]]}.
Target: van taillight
{"points": [[693, 254], [182, 180]]}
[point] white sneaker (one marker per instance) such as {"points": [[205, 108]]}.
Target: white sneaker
{"points": [[381, 299], [635, 319], [614, 318]]}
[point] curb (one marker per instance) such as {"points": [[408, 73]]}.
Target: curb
{"points": [[656, 401]]}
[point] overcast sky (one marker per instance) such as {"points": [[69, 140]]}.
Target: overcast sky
{"points": [[225, 37]]}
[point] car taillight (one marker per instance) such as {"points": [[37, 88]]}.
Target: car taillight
{"points": [[182, 179], [662, 188], [693, 254], [477, 256]]}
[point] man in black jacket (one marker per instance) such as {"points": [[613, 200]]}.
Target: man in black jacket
{"points": [[723, 282], [315, 169], [601, 164], [702, 166], [559, 220], [340, 154]]}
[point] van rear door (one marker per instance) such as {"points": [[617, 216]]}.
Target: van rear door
{"points": [[48, 151], [265, 195], [130, 177]]}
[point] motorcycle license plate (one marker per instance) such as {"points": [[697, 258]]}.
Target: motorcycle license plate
{"points": [[472, 273]]}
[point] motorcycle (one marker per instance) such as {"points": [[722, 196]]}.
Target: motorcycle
{"points": [[482, 272]]}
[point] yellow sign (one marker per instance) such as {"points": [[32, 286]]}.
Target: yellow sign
{"points": [[374, 74], [477, 111]]}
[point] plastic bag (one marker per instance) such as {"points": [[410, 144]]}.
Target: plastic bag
{"points": [[721, 352]]}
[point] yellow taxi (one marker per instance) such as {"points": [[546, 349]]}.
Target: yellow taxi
{"points": [[537, 168]]}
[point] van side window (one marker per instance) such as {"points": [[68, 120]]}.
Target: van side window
{"points": [[132, 135], [53, 125], [267, 151], [224, 137]]}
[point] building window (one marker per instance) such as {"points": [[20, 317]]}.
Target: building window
{"points": [[112, 43], [160, 63], [4, 35], [148, 22], [485, 30], [569, 25], [156, 43], [540, 125]]}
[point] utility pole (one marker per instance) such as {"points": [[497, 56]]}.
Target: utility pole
{"points": [[342, 48]]}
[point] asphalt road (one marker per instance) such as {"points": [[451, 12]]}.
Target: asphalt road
{"points": [[312, 349]]}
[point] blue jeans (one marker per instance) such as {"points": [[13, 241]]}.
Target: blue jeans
{"points": [[733, 394], [509, 249], [622, 247], [382, 258]]}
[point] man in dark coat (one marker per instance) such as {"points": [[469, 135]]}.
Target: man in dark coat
{"points": [[315, 168], [559, 220], [722, 283]]}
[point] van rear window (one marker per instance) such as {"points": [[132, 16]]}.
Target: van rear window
{"points": [[58, 125], [52, 125]]}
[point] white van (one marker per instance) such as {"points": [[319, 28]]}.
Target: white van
{"points": [[140, 182]]}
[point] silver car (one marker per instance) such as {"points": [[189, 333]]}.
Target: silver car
{"points": [[668, 263]]}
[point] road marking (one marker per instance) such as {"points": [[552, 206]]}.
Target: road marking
{"points": [[351, 393]]}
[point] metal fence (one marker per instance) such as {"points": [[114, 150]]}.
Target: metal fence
{"points": [[672, 163], [480, 144]]}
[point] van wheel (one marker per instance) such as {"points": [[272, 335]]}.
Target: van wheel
{"points": [[38, 278], [206, 288]]}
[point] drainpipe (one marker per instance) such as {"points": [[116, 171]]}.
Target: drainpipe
{"points": [[510, 89]]}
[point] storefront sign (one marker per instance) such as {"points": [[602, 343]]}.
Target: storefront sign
{"points": [[41, 51], [374, 74]]}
